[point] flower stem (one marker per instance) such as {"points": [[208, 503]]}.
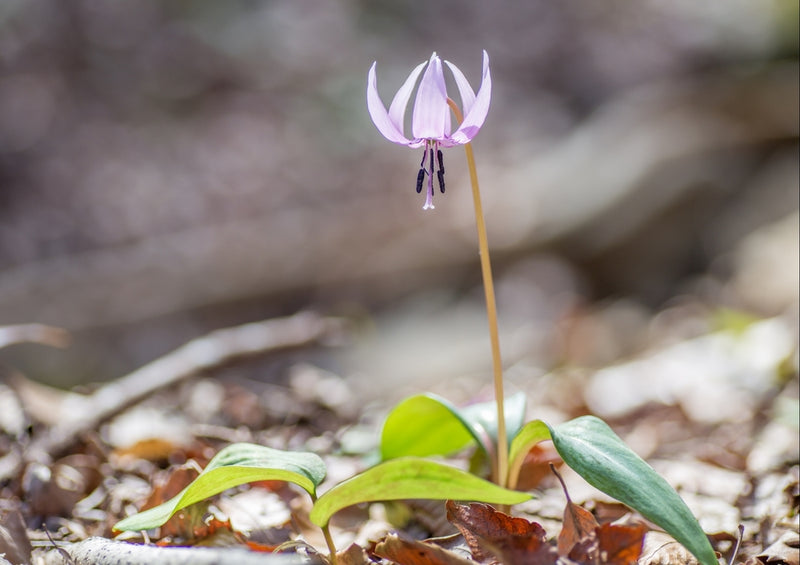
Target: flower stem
{"points": [[500, 466]]}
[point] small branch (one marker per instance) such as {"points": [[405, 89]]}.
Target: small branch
{"points": [[202, 354], [99, 551], [33, 333]]}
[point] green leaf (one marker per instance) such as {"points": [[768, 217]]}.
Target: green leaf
{"points": [[423, 425], [235, 465], [483, 416], [427, 424], [598, 455], [533, 433], [410, 477]]}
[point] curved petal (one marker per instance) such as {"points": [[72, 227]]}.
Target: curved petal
{"points": [[464, 89], [431, 119], [377, 111], [397, 111], [476, 115]]}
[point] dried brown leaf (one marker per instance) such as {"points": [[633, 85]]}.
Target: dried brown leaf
{"points": [[536, 465], [412, 552], [490, 533], [621, 544], [579, 523], [610, 544]]}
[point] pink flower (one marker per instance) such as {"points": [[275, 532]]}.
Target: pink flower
{"points": [[430, 122]]}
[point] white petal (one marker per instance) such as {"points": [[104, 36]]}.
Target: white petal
{"points": [[476, 115], [464, 89], [397, 111], [431, 114], [377, 111]]}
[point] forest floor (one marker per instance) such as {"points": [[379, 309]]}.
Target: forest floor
{"points": [[714, 409]]}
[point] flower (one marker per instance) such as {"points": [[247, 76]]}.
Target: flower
{"points": [[430, 122]]}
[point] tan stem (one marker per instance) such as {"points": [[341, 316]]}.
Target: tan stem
{"points": [[500, 466]]}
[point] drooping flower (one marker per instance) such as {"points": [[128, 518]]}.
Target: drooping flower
{"points": [[430, 121]]}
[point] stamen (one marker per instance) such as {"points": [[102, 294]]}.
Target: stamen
{"points": [[420, 178], [441, 160], [440, 174]]}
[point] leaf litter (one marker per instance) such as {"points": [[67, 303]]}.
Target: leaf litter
{"points": [[730, 470]]}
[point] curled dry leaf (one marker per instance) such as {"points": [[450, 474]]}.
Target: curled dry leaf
{"points": [[490, 533], [412, 552], [579, 523]]}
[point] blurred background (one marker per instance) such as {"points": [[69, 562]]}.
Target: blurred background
{"points": [[171, 167]]}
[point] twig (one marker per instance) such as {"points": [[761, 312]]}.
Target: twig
{"points": [[202, 354], [60, 550], [33, 333], [100, 551]]}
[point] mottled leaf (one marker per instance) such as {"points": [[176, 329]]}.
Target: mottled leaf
{"points": [[597, 454]]}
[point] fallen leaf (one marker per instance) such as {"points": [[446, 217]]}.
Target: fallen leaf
{"points": [[610, 544], [579, 523], [14, 543], [412, 552], [490, 533], [353, 555], [661, 549], [621, 544], [536, 465], [785, 551]]}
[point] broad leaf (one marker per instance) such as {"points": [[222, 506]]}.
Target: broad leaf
{"points": [[483, 416], [235, 465], [533, 433], [598, 455], [423, 425], [427, 424], [410, 477]]}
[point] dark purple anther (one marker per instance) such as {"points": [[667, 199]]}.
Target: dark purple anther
{"points": [[420, 178]]}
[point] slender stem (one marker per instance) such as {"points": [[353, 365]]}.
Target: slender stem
{"points": [[329, 541], [326, 532], [501, 463]]}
